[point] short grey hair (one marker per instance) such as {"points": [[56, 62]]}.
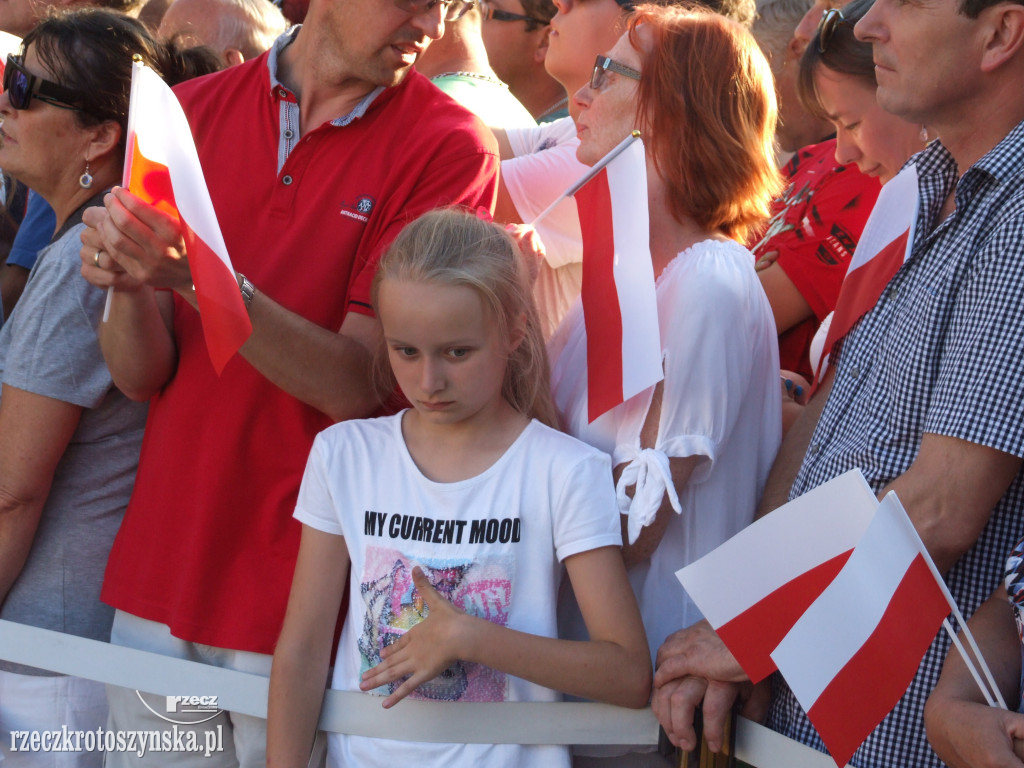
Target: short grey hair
{"points": [[775, 24], [251, 26]]}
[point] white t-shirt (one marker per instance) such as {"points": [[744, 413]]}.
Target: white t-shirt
{"points": [[492, 544], [544, 166], [721, 401]]}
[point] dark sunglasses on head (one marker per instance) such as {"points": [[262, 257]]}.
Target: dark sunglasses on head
{"points": [[830, 22], [21, 86], [601, 68]]}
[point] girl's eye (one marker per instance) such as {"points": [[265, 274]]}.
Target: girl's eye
{"points": [[852, 126], [458, 352], [406, 351]]}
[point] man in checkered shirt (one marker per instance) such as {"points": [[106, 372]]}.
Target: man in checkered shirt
{"points": [[926, 393]]}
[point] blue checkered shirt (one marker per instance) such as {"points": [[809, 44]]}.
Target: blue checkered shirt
{"points": [[942, 352]]}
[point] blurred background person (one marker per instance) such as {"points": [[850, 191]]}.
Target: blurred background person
{"points": [[458, 65], [293, 10], [774, 29], [69, 439], [153, 12], [238, 30], [515, 33]]}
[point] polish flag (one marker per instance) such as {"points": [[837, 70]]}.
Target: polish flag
{"points": [[162, 168], [851, 656], [884, 246], [620, 308], [754, 587]]}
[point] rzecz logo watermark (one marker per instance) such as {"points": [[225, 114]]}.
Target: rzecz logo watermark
{"points": [[182, 710]]}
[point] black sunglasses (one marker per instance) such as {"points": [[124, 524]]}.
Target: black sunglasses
{"points": [[21, 86], [601, 68], [453, 9], [499, 15], [830, 22]]}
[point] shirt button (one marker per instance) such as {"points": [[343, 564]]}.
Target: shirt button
{"points": [[289, 133], [286, 180], [282, 93], [855, 372], [813, 450]]}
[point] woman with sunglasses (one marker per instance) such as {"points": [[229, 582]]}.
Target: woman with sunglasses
{"points": [[69, 441], [837, 82], [538, 164], [693, 452]]}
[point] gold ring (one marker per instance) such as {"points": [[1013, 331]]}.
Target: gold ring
{"points": [[96, 258]]}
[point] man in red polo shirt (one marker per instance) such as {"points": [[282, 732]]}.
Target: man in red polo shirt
{"points": [[315, 154]]}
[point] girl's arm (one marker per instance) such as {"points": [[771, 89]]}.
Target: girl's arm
{"points": [[613, 666], [962, 729], [298, 677]]}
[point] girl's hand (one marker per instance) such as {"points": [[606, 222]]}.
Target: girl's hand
{"points": [[422, 653]]}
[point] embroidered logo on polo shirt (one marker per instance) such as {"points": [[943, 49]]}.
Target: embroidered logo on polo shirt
{"points": [[360, 210]]}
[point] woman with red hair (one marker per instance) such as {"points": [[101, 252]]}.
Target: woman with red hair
{"points": [[692, 453]]}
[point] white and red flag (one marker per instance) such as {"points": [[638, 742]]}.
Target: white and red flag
{"points": [[851, 656], [620, 308], [884, 246], [162, 168], [754, 587]]}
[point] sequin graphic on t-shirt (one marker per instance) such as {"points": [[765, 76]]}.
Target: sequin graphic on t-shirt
{"points": [[482, 587]]}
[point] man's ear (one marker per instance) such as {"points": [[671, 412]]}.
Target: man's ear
{"points": [[233, 56], [1004, 37], [794, 49], [541, 51]]}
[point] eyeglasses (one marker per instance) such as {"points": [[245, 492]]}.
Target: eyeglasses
{"points": [[601, 68], [499, 15], [21, 86], [453, 9], [827, 27]]}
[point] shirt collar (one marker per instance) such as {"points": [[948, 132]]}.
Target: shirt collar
{"points": [[281, 91]]}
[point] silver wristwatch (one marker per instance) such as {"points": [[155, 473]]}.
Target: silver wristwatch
{"points": [[248, 290]]}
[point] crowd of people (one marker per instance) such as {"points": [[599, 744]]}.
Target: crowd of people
{"points": [[398, 475]]}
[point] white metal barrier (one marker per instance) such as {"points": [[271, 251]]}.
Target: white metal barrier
{"points": [[357, 713]]}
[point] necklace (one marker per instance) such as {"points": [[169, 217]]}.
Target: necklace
{"points": [[474, 75], [554, 107]]}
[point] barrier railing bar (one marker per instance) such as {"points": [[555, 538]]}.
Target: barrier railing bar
{"points": [[354, 712]]}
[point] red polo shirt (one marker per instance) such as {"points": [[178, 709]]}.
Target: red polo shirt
{"points": [[208, 543]]}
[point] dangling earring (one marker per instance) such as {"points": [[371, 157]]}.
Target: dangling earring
{"points": [[924, 134], [85, 180]]}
